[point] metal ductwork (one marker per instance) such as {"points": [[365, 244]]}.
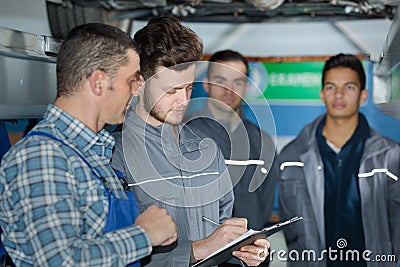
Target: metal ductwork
{"points": [[64, 14], [266, 4]]}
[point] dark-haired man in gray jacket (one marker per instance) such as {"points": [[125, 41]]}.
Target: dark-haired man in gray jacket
{"points": [[342, 177], [167, 164]]}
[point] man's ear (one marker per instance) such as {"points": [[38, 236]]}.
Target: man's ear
{"points": [[137, 91], [363, 96], [97, 82], [206, 85]]}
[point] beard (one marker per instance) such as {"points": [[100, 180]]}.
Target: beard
{"points": [[157, 113], [165, 118]]}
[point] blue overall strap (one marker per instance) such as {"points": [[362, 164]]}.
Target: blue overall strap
{"points": [[124, 212]]}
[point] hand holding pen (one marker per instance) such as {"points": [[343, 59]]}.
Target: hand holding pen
{"points": [[224, 233], [229, 230]]}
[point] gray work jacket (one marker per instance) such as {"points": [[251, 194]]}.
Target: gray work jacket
{"points": [[301, 193], [190, 181]]}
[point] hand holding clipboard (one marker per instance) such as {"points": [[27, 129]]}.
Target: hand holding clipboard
{"points": [[225, 253]]}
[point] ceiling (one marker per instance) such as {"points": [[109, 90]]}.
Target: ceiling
{"points": [[289, 38], [301, 34], [245, 10], [270, 27]]}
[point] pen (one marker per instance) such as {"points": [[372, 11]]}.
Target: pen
{"points": [[209, 220]]}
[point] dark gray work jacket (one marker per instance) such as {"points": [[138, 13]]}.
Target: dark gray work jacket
{"points": [[301, 193], [250, 155]]}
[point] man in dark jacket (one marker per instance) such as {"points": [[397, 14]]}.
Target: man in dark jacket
{"points": [[342, 177], [249, 152]]}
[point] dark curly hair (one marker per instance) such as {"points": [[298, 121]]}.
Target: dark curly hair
{"points": [[165, 42]]}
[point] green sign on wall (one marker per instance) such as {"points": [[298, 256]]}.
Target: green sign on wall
{"points": [[286, 80]]}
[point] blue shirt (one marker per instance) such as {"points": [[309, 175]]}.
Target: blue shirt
{"points": [[342, 196], [53, 209]]}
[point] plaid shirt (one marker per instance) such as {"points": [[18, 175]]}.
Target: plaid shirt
{"points": [[53, 210]]}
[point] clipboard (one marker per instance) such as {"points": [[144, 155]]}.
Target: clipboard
{"points": [[225, 253]]}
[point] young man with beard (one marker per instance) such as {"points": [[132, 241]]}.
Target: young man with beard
{"points": [[342, 177], [248, 151], [173, 168], [61, 202]]}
